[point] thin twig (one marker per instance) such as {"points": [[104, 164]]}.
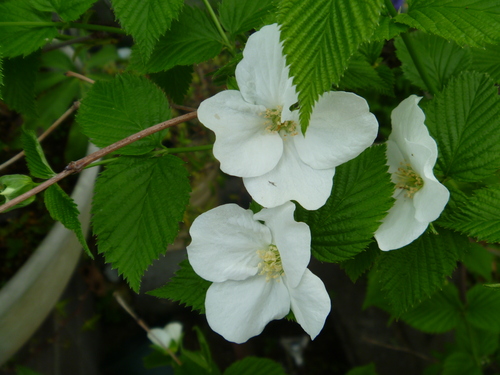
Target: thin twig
{"points": [[82, 39], [182, 107], [79, 165], [399, 349], [143, 325], [44, 135], [79, 76]]}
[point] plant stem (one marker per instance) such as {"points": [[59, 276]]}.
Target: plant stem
{"points": [[79, 165], [219, 27], [417, 60], [67, 25], [79, 76]]}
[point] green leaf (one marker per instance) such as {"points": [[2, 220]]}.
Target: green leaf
{"points": [[460, 363], [479, 261], [476, 341], [442, 59], [487, 60], [361, 196], [413, 273], [18, 90], [146, 20], [469, 22], [438, 314], [363, 370], [14, 185], [319, 38], [23, 40], [238, 16], [137, 207], [175, 82], [62, 208], [1, 76], [464, 119], [68, 10], [191, 40], [21, 370], [255, 366], [37, 163], [495, 287], [113, 110], [362, 262], [185, 287], [483, 305], [388, 28]]}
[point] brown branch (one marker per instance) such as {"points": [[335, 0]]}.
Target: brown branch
{"points": [[82, 39], [79, 76], [77, 166], [44, 135]]}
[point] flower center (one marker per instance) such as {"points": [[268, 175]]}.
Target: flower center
{"points": [[271, 263], [274, 125], [408, 179]]}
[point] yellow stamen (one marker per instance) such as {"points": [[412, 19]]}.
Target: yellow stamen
{"points": [[408, 180], [271, 265], [274, 125]]}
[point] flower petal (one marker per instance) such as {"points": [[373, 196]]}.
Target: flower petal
{"points": [[292, 238], [341, 127], [243, 146], [262, 75], [224, 243], [310, 303], [174, 329], [292, 179], [400, 227], [160, 337], [238, 310]]}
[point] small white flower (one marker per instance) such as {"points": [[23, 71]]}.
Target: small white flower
{"points": [[166, 336], [420, 197], [259, 271], [258, 136]]}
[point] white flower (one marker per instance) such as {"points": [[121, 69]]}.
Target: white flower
{"points": [[259, 138], [420, 197], [259, 271], [166, 336]]}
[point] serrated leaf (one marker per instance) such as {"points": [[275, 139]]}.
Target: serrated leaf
{"points": [[483, 305], [363, 370], [413, 273], [62, 208], [23, 40], [238, 16], [362, 262], [68, 10], [487, 60], [319, 38], [460, 363], [185, 287], [464, 119], [438, 314], [388, 28], [137, 207], [361, 196], [472, 22], [442, 59], [18, 90], [14, 185], [146, 20], [37, 163], [192, 39], [113, 110], [175, 82], [255, 366], [474, 340], [479, 261]]}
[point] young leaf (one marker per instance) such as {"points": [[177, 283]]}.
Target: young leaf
{"points": [[14, 185], [113, 110], [37, 163], [238, 16], [414, 272], [137, 207], [255, 366], [18, 90], [469, 22], [438, 314], [483, 303], [460, 363], [361, 197], [175, 82], [68, 10], [487, 60], [146, 20], [464, 119], [479, 261], [442, 59], [185, 287], [23, 40], [319, 38], [62, 208], [191, 40]]}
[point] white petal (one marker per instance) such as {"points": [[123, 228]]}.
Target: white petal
{"points": [[292, 238], [430, 201], [292, 179], [174, 329], [224, 243], [310, 303], [238, 310], [243, 146], [400, 227], [160, 337], [262, 75], [341, 127]]}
